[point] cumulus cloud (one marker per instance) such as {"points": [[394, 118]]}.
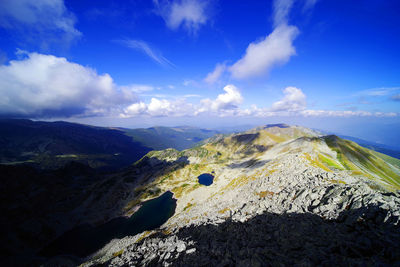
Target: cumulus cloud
{"points": [[260, 57], [39, 85], [39, 18], [225, 104], [147, 50], [191, 14], [294, 100], [44, 85], [230, 100], [164, 107], [213, 76], [159, 108], [134, 109]]}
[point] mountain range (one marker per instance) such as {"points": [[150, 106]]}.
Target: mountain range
{"points": [[279, 194], [179, 138], [51, 145]]}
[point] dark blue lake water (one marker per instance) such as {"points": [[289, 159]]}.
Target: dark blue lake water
{"points": [[206, 179], [86, 239]]}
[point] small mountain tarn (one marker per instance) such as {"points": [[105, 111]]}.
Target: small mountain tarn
{"points": [[206, 179], [86, 239]]}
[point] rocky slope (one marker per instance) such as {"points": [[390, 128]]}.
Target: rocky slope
{"points": [[281, 195]]}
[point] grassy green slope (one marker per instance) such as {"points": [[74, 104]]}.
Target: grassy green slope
{"points": [[366, 162]]}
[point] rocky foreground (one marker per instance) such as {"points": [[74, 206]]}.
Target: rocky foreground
{"points": [[358, 237]]}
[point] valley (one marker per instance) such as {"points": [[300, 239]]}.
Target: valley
{"points": [[263, 180]]}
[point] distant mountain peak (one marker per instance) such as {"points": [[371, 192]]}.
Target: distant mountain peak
{"points": [[279, 125]]}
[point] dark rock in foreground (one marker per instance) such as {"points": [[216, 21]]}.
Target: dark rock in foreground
{"points": [[357, 237]]}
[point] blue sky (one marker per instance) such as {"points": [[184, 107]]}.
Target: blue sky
{"points": [[319, 63]]}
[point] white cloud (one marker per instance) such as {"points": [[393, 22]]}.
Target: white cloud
{"points": [[191, 95], [294, 104], [260, 57], [44, 19], [44, 85], [138, 88], [159, 108], [40, 85], [146, 49], [230, 100], [294, 100], [191, 14], [225, 104], [381, 91], [275, 49], [346, 113], [134, 110], [213, 76], [281, 11], [192, 83], [228, 104]]}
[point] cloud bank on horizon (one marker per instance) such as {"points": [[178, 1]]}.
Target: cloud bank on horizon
{"points": [[43, 85]]}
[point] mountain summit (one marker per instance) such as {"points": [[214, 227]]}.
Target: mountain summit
{"points": [[279, 194]]}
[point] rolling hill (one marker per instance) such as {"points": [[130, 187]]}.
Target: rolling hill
{"points": [[51, 145], [181, 137]]}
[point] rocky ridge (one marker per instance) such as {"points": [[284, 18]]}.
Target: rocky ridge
{"points": [[272, 202], [346, 213]]}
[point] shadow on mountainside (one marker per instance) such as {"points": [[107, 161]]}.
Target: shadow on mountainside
{"points": [[40, 206], [357, 237], [86, 239], [245, 138], [252, 163]]}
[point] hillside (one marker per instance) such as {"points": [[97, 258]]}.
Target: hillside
{"points": [[51, 145], [266, 181], [179, 138], [278, 194], [381, 148]]}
